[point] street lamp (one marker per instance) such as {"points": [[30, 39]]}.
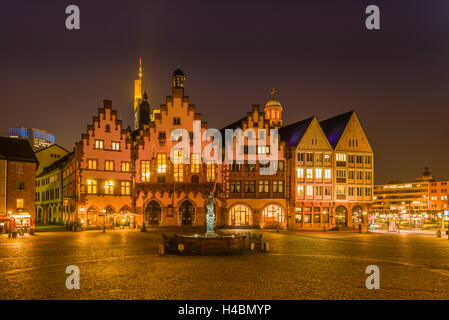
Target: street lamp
{"points": [[104, 220]]}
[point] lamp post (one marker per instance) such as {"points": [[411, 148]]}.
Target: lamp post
{"points": [[104, 221]]}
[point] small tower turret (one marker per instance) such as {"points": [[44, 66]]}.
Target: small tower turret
{"points": [[273, 111]]}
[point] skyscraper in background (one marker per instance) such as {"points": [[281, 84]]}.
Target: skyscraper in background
{"points": [[39, 139]]}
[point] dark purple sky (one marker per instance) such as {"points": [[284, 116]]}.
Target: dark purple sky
{"points": [[317, 54]]}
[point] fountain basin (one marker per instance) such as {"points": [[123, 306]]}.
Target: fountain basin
{"points": [[211, 244]]}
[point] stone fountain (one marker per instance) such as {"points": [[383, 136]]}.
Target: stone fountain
{"points": [[211, 242]]}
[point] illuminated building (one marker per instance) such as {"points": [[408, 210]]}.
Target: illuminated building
{"points": [[422, 196], [439, 196], [324, 174], [353, 169], [17, 179], [171, 193], [103, 171], [252, 199], [39, 139], [311, 175], [49, 193]]}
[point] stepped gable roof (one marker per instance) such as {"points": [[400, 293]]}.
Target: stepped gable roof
{"points": [[15, 149], [334, 127], [293, 133]]}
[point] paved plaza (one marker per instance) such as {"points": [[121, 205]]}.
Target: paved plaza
{"points": [[125, 264]]}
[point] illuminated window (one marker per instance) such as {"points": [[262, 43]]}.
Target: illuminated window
{"points": [[300, 190], [99, 144], [327, 158], [309, 174], [328, 174], [250, 186], [116, 146], [240, 215], [340, 157], [234, 186], [161, 163], [263, 149], [278, 186], [195, 163], [109, 165], [309, 190], [300, 173], [318, 173], [145, 170], [125, 166], [341, 190], [19, 203], [319, 157], [319, 190], [125, 187], [210, 172], [273, 213], [92, 164], [264, 186], [91, 186], [178, 166], [109, 187]]}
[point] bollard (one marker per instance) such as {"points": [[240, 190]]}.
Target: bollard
{"points": [[162, 250], [266, 246]]}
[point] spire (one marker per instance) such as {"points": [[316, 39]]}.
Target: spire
{"points": [[137, 95], [140, 69]]}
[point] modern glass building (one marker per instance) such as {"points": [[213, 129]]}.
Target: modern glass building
{"points": [[39, 139]]}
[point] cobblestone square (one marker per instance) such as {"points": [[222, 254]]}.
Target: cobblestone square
{"points": [[126, 265]]}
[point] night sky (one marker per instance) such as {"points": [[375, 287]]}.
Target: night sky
{"points": [[317, 54]]}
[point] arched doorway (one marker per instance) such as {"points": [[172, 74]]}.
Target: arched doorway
{"points": [[92, 216], [341, 216], [357, 214], [153, 213], [240, 215], [187, 213]]}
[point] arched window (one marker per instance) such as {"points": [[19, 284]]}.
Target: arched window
{"points": [[357, 214], [273, 213], [240, 215]]}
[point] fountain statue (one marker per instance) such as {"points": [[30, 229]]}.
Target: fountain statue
{"points": [[210, 215]]}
